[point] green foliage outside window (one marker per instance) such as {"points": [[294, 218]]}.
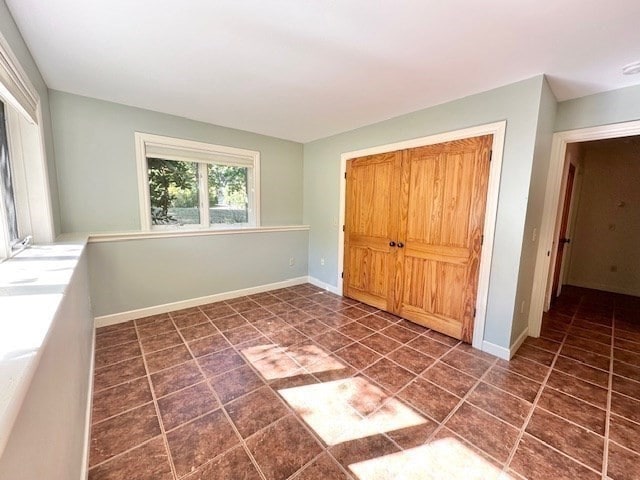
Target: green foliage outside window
{"points": [[166, 177], [174, 185]]}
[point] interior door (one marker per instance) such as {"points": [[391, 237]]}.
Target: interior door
{"points": [[442, 219], [371, 218], [562, 236]]}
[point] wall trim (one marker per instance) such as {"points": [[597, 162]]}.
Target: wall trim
{"points": [[139, 235], [496, 350], [518, 343], [505, 353], [112, 319], [496, 129], [15, 85], [324, 286], [550, 221]]}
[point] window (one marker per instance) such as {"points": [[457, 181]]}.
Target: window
{"points": [[186, 184], [25, 203], [9, 213]]}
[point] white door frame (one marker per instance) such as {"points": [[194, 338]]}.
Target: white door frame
{"points": [[498, 131], [556, 184]]}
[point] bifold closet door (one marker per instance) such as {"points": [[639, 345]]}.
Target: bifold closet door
{"points": [[373, 186], [413, 232], [443, 207]]}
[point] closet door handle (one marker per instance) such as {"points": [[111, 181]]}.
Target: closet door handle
{"points": [[392, 243], [400, 244]]}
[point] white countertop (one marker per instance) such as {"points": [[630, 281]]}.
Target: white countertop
{"points": [[32, 285]]}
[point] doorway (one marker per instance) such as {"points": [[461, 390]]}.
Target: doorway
{"points": [[557, 181], [497, 130]]}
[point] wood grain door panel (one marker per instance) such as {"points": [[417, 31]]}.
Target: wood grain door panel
{"points": [[428, 298], [431, 200], [370, 224], [442, 222]]}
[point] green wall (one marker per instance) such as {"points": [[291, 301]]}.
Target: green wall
{"points": [[133, 274], [518, 104], [95, 148], [537, 190], [614, 106], [96, 163]]}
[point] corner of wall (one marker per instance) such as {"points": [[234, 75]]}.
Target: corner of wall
{"points": [[547, 110]]}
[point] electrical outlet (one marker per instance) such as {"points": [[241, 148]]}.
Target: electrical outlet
{"points": [[292, 261], [534, 237], [322, 261], [522, 307]]}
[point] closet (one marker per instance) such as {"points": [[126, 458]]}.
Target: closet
{"points": [[413, 232]]}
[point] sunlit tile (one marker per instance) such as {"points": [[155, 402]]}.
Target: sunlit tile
{"points": [[348, 409], [277, 365], [257, 352], [313, 358], [445, 458], [274, 361]]}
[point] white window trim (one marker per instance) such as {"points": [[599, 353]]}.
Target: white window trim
{"points": [[249, 158], [27, 153]]}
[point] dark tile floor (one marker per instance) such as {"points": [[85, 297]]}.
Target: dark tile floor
{"points": [[299, 383]]}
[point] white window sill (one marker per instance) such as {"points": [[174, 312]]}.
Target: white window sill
{"points": [[186, 232], [32, 285]]}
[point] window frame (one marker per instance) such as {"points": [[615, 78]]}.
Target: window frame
{"points": [[27, 157], [203, 154], [6, 239]]}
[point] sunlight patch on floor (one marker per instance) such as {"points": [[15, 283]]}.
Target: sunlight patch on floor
{"points": [[274, 361], [442, 459], [348, 409]]}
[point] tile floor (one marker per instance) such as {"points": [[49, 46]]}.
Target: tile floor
{"points": [[300, 383]]}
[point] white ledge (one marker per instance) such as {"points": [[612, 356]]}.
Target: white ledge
{"points": [[32, 285], [140, 235]]}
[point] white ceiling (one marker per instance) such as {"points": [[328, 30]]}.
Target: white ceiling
{"points": [[306, 69]]}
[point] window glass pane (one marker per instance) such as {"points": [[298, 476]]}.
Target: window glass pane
{"points": [[228, 198], [173, 188], [7, 201]]}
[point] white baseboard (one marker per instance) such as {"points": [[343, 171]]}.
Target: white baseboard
{"points": [[324, 286], [606, 288], [505, 353], [496, 350], [519, 341], [121, 317]]}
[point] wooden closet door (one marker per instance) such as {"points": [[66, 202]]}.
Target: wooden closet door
{"points": [[444, 191], [371, 218]]}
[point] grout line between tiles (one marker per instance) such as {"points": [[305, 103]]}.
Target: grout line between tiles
{"points": [[569, 421], [228, 418], [535, 405], [121, 454], [157, 409], [607, 424], [535, 402], [463, 399]]}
